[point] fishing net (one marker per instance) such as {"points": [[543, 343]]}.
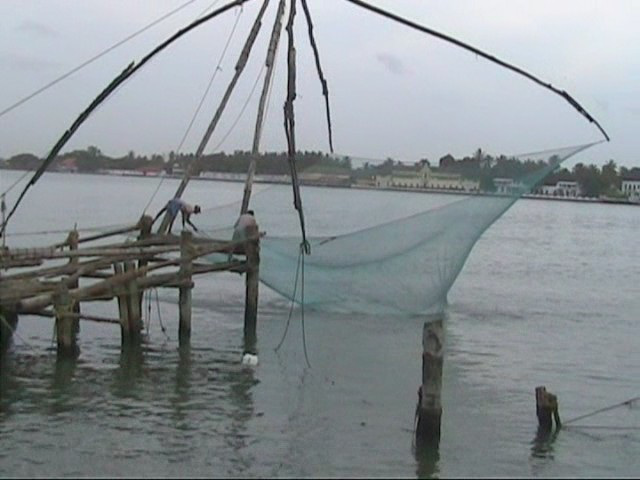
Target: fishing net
{"points": [[372, 253]]}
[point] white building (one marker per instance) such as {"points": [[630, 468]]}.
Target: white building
{"points": [[422, 176]]}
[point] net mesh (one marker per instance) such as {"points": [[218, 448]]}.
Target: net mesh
{"points": [[371, 254]]}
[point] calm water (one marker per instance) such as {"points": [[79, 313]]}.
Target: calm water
{"points": [[549, 296]]}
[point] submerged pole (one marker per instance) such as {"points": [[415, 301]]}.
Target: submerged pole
{"points": [[429, 409]]}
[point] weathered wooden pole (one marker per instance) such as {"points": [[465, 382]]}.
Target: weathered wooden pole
{"points": [[186, 286], [65, 324], [72, 241], [123, 307], [133, 301], [145, 223], [252, 250], [429, 409], [546, 407]]}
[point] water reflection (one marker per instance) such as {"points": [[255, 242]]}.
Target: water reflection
{"points": [[542, 450]]}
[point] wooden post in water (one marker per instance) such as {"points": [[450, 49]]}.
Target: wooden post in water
{"points": [[65, 323], [252, 250], [546, 406], [145, 223], [429, 410], [123, 306], [72, 241], [133, 301], [186, 286]]}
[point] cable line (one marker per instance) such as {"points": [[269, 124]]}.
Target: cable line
{"points": [[94, 58]]}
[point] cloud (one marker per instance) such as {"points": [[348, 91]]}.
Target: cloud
{"points": [[31, 27], [391, 63]]}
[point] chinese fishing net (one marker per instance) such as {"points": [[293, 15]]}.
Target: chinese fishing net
{"points": [[369, 258]]}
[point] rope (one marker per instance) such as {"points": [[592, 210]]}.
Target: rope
{"points": [[303, 250], [17, 181], [204, 96], [164, 330], [94, 58], [244, 107], [15, 332], [293, 297], [605, 427], [605, 409]]}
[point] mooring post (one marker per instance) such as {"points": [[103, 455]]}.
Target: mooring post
{"points": [[65, 323], [429, 410], [252, 251], [546, 406], [186, 285], [73, 240]]}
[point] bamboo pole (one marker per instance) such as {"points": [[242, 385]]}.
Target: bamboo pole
{"points": [[269, 63], [99, 236], [241, 63]]}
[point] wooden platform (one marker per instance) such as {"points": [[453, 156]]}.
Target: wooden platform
{"points": [[46, 281]]}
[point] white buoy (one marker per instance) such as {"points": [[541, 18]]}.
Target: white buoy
{"points": [[249, 359]]}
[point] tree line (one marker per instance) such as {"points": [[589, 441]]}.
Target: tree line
{"points": [[592, 179]]}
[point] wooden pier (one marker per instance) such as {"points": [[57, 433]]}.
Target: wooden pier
{"points": [[46, 281]]}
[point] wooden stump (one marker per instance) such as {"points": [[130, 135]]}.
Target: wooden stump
{"points": [[429, 409], [546, 407], [65, 324]]}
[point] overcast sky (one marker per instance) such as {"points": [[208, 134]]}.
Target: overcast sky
{"points": [[394, 92]]}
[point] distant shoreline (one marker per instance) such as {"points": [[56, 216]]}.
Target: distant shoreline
{"points": [[259, 180]]}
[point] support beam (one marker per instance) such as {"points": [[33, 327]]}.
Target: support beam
{"points": [[429, 410]]}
